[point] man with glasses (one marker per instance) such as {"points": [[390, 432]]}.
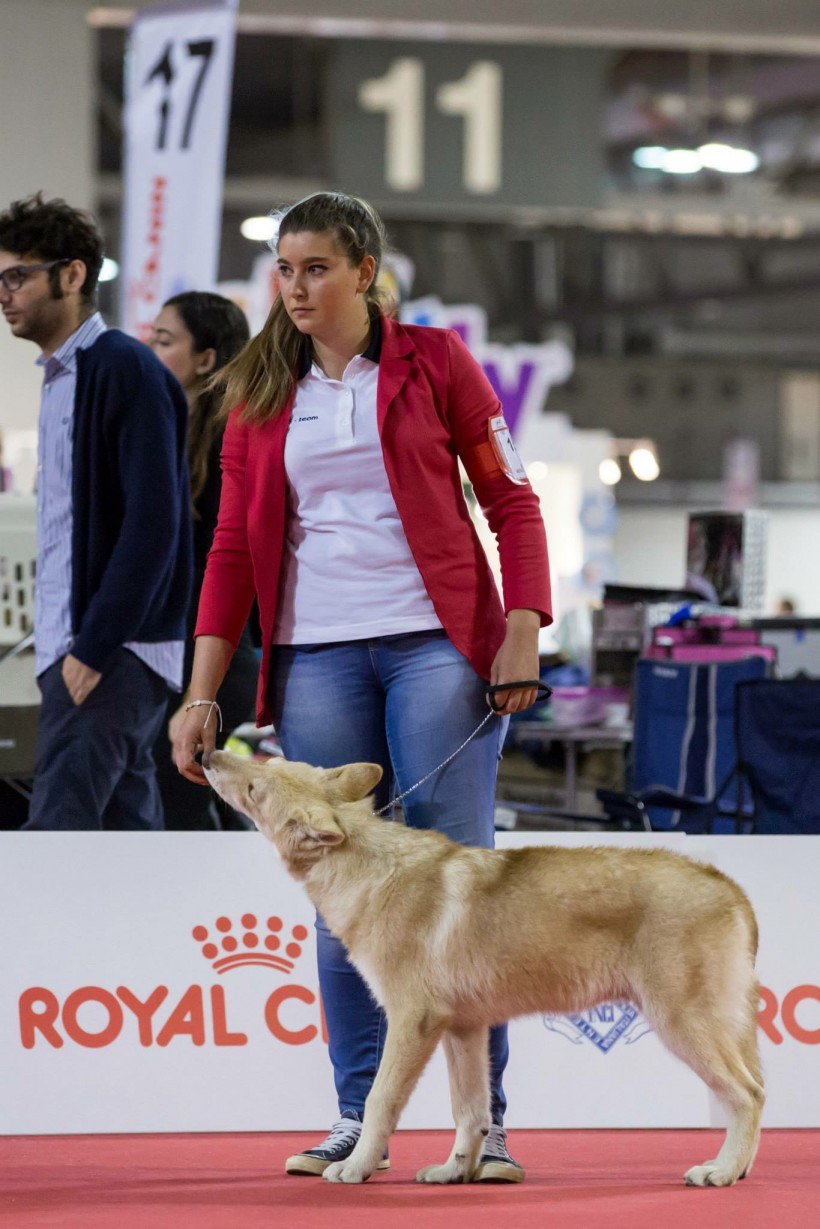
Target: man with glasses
{"points": [[113, 529]]}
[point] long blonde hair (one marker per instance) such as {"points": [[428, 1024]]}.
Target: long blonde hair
{"points": [[263, 374]]}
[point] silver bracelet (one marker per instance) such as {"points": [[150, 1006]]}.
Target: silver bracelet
{"points": [[212, 704]]}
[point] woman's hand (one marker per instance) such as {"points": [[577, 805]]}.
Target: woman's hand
{"points": [[516, 660], [197, 732], [200, 721]]}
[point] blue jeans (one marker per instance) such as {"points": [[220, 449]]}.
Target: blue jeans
{"points": [[405, 702]]}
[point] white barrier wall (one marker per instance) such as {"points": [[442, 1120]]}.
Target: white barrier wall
{"points": [[167, 983]]}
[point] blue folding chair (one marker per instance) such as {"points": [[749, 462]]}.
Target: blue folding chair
{"points": [[683, 773], [777, 730]]}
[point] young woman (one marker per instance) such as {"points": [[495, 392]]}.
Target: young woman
{"points": [[194, 336], [343, 511]]}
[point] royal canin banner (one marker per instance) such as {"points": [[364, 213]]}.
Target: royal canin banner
{"points": [[167, 982], [179, 69]]}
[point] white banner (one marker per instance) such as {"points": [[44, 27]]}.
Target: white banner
{"points": [[179, 68], [167, 982]]}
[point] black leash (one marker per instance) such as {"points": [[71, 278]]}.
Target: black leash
{"points": [[543, 691]]}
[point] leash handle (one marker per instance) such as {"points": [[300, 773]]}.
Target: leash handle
{"points": [[543, 691]]}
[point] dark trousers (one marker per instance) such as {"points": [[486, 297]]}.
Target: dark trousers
{"points": [[93, 764]]}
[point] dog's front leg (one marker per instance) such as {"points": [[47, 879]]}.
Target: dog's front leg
{"points": [[411, 1039], [468, 1067]]}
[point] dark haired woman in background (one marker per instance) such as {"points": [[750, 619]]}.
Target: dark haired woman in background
{"points": [[195, 334]]}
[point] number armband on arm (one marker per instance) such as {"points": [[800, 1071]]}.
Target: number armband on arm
{"points": [[497, 454]]}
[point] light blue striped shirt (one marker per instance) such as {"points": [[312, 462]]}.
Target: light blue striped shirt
{"points": [[55, 514]]}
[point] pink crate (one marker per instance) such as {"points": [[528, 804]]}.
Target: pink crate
{"points": [[710, 652], [584, 705], [705, 633]]}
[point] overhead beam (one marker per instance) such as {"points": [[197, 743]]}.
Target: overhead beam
{"points": [[582, 309], [788, 28]]}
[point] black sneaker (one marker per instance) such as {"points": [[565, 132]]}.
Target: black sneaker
{"points": [[496, 1164], [343, 1137]]}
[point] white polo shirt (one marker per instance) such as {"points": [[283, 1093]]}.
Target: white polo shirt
{"points": [[347, 571]]}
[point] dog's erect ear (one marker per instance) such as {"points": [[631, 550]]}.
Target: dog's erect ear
{"points": [[353, 782], [313, 828]]}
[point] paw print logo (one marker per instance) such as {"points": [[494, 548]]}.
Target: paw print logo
{"points": [[227, 946]]}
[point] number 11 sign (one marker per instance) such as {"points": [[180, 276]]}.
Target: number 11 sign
{"points": [[483, 125], [400, 94], [179, 67]]}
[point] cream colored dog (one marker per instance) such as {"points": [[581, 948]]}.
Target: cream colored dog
{"points": [[451, 940]]}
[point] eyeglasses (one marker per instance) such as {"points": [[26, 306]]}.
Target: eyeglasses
{"points": [[12, 279]]}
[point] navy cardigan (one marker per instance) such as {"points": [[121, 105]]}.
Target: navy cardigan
{"points": [[131, 546]]}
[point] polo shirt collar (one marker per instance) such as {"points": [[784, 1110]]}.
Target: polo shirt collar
{"points": [[372, 353]]}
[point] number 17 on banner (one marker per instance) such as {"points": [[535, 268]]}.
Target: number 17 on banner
{"points": [[180, 64]]}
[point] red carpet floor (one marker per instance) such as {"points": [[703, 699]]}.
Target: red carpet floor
{"points": [[612, 1179]]}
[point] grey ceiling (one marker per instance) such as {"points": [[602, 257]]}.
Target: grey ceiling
{"points": [[734, 24], [661, 262], [687, 298]]}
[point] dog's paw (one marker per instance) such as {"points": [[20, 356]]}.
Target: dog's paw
{"points": [[442, 1174], [710, 1173], [344, 1171]]}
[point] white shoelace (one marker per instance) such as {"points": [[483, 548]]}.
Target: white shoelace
{"points": [[495, 1143], [345, 1131]]}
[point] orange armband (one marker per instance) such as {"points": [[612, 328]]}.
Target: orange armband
{"points": [[497, 454]]}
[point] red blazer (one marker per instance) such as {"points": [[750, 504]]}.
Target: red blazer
{"points": [[433, 403]]}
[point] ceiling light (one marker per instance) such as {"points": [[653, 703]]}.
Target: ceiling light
{"points": [[644, 464], [609, 471], [728, 158], [716, 155], [110, 269], [650, 157], [537, 470], [682, 162], [259, 229]]}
